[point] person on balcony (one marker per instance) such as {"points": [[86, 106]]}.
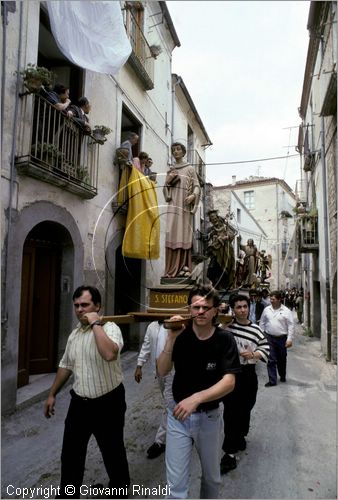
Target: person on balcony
{"points": [[59, 98], [131, 140], [140, 162], [80, 113]]}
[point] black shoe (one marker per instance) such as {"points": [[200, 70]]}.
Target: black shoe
{"points": [[228, 463], [282, 379], [270, 384], [242, 444], [155, 450]]}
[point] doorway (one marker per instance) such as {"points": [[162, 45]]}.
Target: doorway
{"points": [[130, 124], [40, 301], [128, 298]]}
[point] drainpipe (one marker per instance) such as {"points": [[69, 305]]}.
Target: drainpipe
{"points": [[173, 90], [326, 225], [13, 149]]}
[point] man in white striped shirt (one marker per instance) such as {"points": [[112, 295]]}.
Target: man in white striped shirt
{"points": [[98, 404], [252, 346]]}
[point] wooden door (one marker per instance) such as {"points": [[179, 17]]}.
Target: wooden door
{"points": [[39, 310], [27, 283]]}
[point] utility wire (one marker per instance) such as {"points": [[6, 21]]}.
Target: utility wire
{"points": [[248, 161]]}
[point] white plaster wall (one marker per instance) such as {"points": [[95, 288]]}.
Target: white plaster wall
{"points": [[247, 227], [107, 94]]}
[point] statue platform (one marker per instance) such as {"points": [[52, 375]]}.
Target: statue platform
{"points": [[178, 281], [171, 298]]}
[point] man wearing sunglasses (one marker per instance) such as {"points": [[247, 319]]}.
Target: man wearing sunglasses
{"points": [[98, 404], [205, 358]]}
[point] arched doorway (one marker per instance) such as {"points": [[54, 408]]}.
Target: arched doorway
{"points": [[43, 258], [128, 274]]}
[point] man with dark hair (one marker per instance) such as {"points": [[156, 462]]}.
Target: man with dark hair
{"points": [[80, 113], [59, 98], [98, 398], [256, 306], [277, 322], [252, 346], [206, 360]]}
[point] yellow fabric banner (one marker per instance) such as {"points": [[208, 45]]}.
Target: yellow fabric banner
{"points": [[142, 234]]}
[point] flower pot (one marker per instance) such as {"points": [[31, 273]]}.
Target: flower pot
{"points": [[99, 136], [33, 84]]}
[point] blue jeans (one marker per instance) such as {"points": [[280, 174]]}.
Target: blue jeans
{"points": [[204, 430]]}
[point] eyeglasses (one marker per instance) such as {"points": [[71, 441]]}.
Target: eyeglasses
{"points": [[204, 308], [82, 304]]}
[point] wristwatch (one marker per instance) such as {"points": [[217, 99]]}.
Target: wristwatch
{"points": [[97, 322]]}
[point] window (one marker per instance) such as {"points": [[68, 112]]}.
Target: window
{"points": [[238, 215], [249, 199]]}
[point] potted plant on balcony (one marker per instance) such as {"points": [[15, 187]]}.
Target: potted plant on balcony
{"points": [[36, 76], [155, 50], [299, 209], [100, 132]]}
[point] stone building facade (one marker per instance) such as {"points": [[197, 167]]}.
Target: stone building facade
{"points": [[317, 145], [60, 223]]}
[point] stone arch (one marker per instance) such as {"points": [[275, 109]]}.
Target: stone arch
{"points": [[25, 221]]}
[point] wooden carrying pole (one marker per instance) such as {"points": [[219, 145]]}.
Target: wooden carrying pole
{"points": [[136, 317]]}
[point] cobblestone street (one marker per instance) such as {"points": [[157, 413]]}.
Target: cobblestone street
{"points": [[291, 449]]}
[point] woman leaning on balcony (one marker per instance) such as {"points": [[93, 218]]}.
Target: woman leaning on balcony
{"points": [[59, 98]]}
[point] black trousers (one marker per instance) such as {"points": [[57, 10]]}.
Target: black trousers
{"points": [[237, 408], [104, 418], [277, 357]]}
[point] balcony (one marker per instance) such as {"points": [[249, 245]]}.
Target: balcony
{"points": [[141, 59], [52, 148], [308, 233]]}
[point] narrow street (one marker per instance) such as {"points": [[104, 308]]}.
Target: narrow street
{"points": [[291, 450]]}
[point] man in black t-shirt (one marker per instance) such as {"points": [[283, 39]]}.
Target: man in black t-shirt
{"points": [[206, 360]]}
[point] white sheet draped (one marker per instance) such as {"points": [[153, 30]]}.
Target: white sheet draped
{"points": [[90, 34]]}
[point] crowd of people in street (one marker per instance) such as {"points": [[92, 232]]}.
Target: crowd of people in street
{"points": [[294, 300], [198, 366]]}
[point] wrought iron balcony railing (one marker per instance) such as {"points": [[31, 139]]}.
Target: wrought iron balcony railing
{"points": [[141, 58], [308, 233], [55, 149]]}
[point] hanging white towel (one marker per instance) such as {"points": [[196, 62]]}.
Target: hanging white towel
{"points": [[90, 34]]}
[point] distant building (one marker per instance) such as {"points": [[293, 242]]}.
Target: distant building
{"points": [[269, 201]]}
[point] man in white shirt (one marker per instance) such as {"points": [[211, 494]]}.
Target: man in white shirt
{"points": [[98, 404], [277, 322], [152, 346]]}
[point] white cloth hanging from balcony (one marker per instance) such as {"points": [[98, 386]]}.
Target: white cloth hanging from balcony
{"points": [[90, 34]]}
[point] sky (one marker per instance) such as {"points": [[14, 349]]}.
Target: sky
{"points": [[243, 64]]}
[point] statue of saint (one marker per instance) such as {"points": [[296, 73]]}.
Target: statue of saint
{"points": [[239, 275], [221, 269], [263, 266], [182, 193], [250, 262]]}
